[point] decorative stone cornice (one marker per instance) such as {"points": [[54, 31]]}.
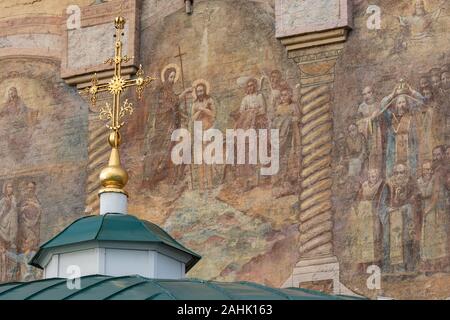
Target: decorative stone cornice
{"points": [[315, 39], [309, 23]]}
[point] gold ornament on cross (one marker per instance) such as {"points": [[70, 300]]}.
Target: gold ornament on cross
{"points": [[114, 177], [117, 84]]}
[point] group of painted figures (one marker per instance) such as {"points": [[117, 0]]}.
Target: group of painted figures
{"points": [[397, 151], [20, 222], [268, 104]]}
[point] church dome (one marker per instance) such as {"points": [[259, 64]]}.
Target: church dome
{"points": [[110, 228]]}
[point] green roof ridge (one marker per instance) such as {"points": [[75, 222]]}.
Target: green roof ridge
{"points": [[102, 287]]}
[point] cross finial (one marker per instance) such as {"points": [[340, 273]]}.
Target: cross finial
{"points": [[114, 177]]}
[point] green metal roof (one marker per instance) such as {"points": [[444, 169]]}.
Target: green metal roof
{"points": [[112, 227], [98, 287]]}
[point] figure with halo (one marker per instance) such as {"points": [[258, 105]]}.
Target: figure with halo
{"points": [[204, 111], [166, 118]]}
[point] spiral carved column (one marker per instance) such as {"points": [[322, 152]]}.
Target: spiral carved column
{"points": [[316, 225], [318, 268]]}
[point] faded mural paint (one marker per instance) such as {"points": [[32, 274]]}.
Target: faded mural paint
{"points": [[390, 159], [42, 150], [392, 153]]}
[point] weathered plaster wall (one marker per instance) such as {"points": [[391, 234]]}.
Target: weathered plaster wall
{"points": [[245, 227], [43, 144], [414, 48], [235, 231]]}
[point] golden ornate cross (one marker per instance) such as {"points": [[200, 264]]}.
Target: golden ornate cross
{"points": [[114, 178], [117, 84]]}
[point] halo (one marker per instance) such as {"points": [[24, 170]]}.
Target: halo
{"points": [[177, 71], [196, 83]]}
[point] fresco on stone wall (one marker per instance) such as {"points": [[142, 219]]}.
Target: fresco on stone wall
{"points": [[42, 153], [232, 215], [392, 152], [390, 148], [20, 212], [208, 213]]}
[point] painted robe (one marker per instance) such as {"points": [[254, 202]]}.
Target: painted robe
{"points": [[205, 112], [158, 147], [435, 219], [356, 153], [431, 125], [401, 136], [252, 113], [17, 125], [8, 221], [404, 226], [366, 220], [8, 236], [370, 128], [29, 224], [289, 136]]}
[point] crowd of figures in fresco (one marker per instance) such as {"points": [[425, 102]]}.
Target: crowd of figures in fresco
{"points": [[20, 222], [395, 158], [268, 102]]}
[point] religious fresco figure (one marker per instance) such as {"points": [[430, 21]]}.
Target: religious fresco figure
{"points": [[424, 82], [431, 125], [366, 221], [252, 115], [420, 23], [435, 219], [8, 229], [203, 110], [286, 119], [400, 134], [167, 118], [276, 83], [435, 79], [17, 124], [355, 151], [404, 221], [29, 220], [369, 126], [444, 102], [253, 109]]}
